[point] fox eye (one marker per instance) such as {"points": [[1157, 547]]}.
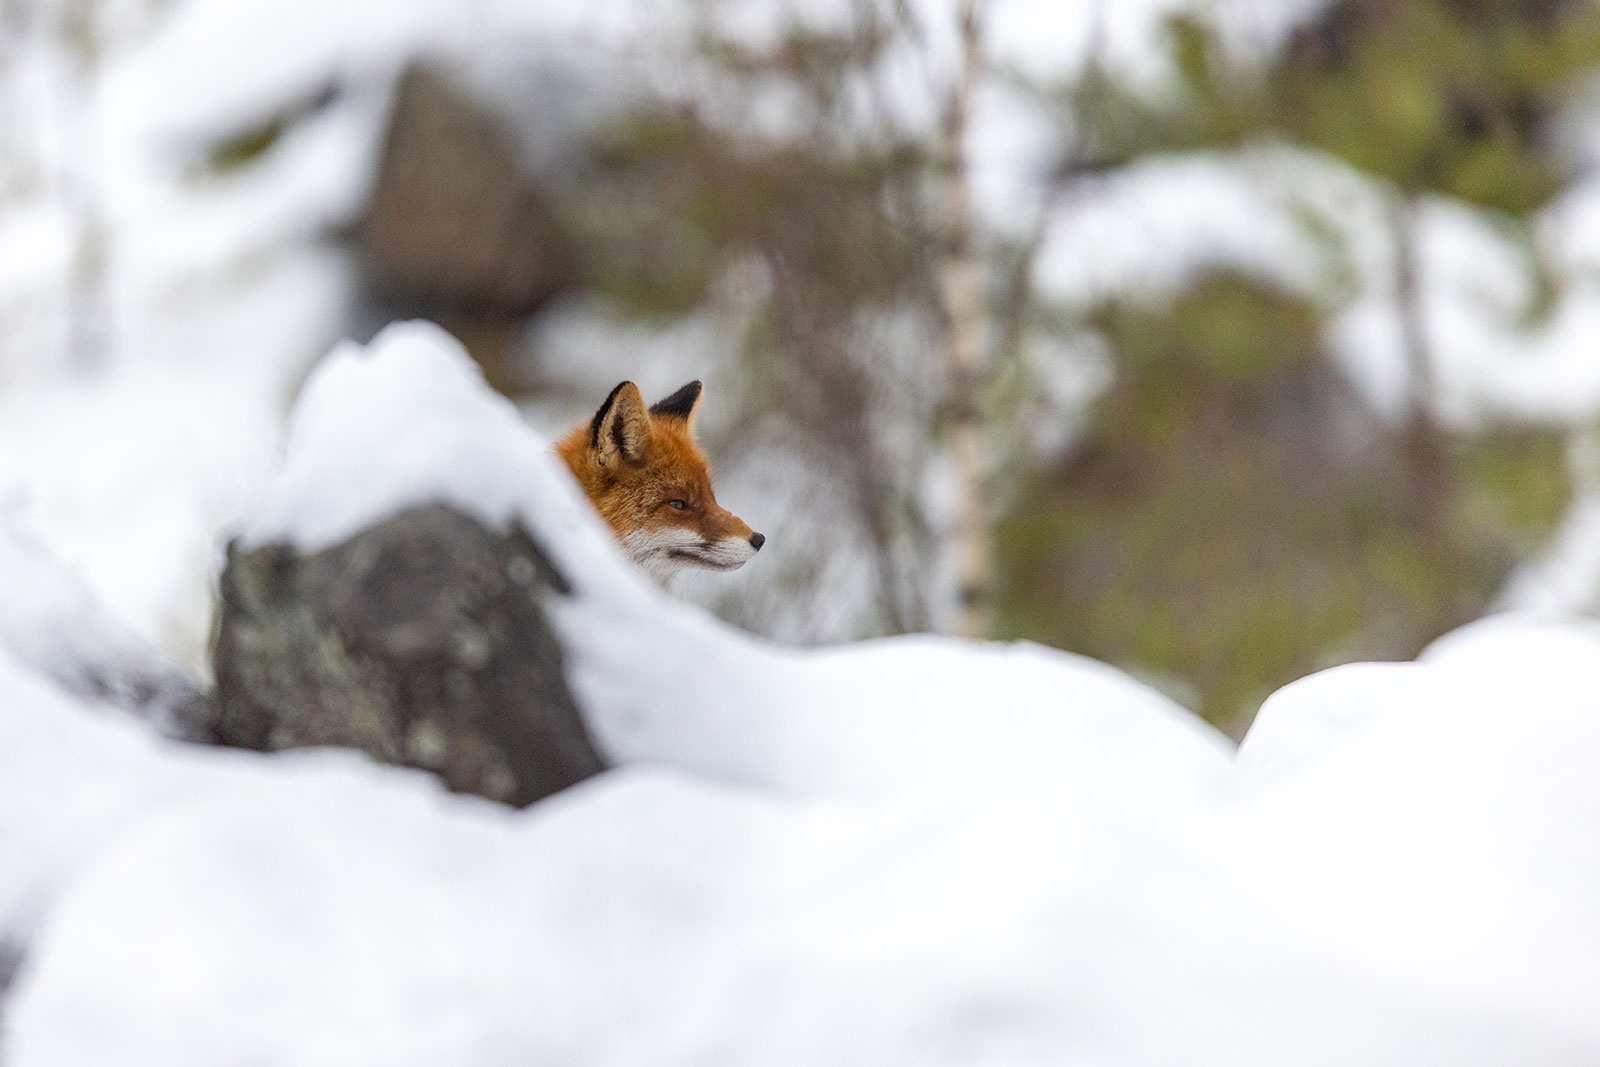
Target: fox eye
{"points": [[678, 505]]}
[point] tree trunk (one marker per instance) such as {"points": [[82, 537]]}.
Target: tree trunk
{"points": [[1422, 444], [961, 288], [75, 55]]}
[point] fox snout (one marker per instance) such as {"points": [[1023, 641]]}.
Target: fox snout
{"points": [[649, 480]]}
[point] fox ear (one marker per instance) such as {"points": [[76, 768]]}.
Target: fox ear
{"points": [[621, 428], [680, 405]]}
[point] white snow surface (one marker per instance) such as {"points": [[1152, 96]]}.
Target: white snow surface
{"points": [[914, 851], [54, 623], [127, 476]]}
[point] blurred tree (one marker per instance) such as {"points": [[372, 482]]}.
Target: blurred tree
{"points": [[1233, 518], [1455, 97], [76, 24], [50, 53]]}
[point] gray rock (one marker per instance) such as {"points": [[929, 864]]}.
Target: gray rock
{"points": [[453, 224], [421, 641]]}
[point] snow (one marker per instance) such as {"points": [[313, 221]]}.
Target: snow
{"points": [[128, 479], [1438, 836], [216, 61], [907, 851], [34, 254], [55, 625], [407, 421], [75, 775], [128, 457], [1475, 294], [1154, 226]]}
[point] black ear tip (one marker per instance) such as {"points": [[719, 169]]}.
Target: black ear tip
{"points": [[680, 404], [600, 416]]}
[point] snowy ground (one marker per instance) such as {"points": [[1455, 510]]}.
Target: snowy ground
{"points": [[913, 851]]}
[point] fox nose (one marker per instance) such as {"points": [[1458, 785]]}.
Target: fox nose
{"points": [[757, 540]]}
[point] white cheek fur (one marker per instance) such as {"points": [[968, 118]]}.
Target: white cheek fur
{"points": [[657, 551], [730, 552], [652, 550]]}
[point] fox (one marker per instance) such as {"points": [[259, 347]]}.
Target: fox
{"points": [[644, 473]]}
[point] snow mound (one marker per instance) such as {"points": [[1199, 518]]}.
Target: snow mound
{"points": [[74, 776], [915, 851], [51, 621], [1428, 817], [404, 422]]}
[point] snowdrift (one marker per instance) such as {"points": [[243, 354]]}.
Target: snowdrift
{"points": [[914, 851]]}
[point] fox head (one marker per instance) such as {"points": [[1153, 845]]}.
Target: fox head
{"points": [[643, 472]]}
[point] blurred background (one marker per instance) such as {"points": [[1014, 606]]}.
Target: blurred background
{"points": [[1221, 340]]}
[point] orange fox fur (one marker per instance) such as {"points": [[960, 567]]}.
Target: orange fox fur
{"points": [[647, 478]]}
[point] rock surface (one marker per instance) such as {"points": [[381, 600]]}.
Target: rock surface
{"points": [[422, 641]]}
